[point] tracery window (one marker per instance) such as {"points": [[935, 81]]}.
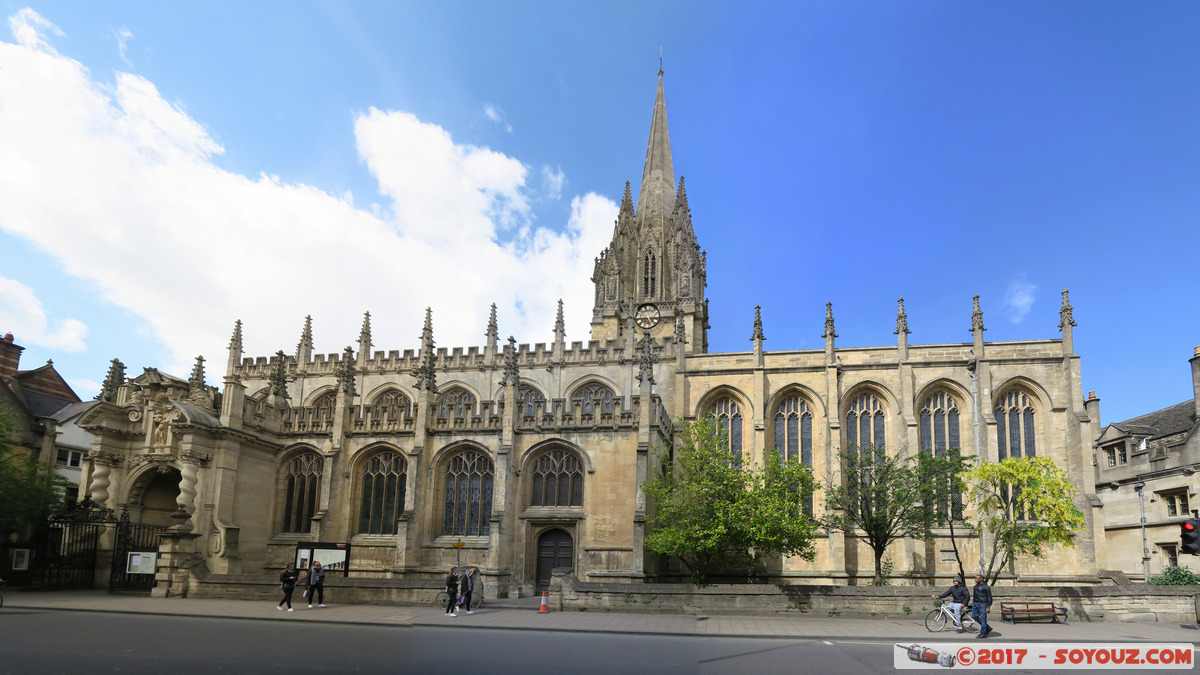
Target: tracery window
{"points": [[300, 483], [729, 420], [939, 434], [593, 398], [649, 275], [1015, 436], [324, 405], [1015, 425], [794, 434], [392, 405], [865, 424], [383, 480], [528, 398], [456, 403], [557, 480], [468, 494]]}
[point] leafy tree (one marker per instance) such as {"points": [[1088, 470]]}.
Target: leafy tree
{"points": [[881, 499], [1025, 504], [30, 491], [710, 509]]}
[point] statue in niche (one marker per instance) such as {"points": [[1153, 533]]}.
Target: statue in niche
{"points": [[158, 437]]}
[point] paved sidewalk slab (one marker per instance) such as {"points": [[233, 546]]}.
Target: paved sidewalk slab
{"points": [[774, 627]]}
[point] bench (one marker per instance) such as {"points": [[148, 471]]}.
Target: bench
{"points": [[1011, 611]]}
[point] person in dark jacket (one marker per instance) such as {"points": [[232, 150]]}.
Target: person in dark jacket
{"points": [[452, 591], [466, 587], [316, 584], [958, 598], [981, 602], [287, 580]]}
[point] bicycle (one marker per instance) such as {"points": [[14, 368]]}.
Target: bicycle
{"points": [[476, 600], [938, 617]]}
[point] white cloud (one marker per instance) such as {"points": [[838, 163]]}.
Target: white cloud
{"points": [[492, 113], [1018, 299], [553, 182], [123, 35], [118, 185], [22, 314], [88, 388]]}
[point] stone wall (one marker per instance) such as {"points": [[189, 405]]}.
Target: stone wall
{"points": [[338, 589], [1131, 603]]}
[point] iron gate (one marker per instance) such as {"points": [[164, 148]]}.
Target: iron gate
{"points": [[141, 540], [64, 552]]}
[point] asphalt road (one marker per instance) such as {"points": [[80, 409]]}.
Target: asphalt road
{"points": [[46, 641]]}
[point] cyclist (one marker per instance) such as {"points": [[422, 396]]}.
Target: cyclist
{"points": [[958, 598]]}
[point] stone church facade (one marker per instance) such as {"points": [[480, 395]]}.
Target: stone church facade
{"points": [[533, 456]]}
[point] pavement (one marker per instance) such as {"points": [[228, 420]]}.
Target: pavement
{"points": [[523, 615]]}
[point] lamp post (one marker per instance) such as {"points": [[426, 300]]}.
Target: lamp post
{"points": [[972, 364], [1140, 486]]}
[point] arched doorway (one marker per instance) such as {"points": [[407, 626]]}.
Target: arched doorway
{"points": [[554, 549], [158, 498]]}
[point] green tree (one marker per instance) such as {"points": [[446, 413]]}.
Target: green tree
{"points": [[30, 491], [881, 499], [1025, 506], [709, 510], [946, 472]]}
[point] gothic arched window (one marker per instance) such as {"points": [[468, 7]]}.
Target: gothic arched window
{"points": [[300, 485], [794, 434], [649, 275], [383, 480], [557, 480], [939, 434], [456, 403], [468, 494], [1014, 425], [593, 397], [528, 398], [729, 420], [865, 423], [324, 405], [392, 405]]}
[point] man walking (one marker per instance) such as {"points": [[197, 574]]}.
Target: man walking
{"points": [[981, 599], [452, 591]]}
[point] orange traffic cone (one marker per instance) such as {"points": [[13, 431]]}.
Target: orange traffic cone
{"points": [[544, 609]]}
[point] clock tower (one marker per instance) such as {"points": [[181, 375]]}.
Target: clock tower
{"points": [[653, 261]]}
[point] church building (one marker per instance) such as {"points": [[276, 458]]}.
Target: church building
{"points": [[533, 456]]}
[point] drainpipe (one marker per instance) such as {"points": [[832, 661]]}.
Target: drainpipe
{"points": [[1139, 486]]}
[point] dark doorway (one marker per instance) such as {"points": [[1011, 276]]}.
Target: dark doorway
{"points": [[555, 549]]}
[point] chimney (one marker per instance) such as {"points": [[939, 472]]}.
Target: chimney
{"points": [[1091, 405], [1196, 379], [10, 357]]}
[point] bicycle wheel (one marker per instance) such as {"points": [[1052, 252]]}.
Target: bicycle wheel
{"points": [[476, 601], [442, 599], [935, 621]]}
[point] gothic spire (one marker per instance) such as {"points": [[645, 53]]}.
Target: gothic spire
{"points": [[278, 378], [425, 372], [512, 376], [304, 347], [346, 373], [901, 320], [829, 332], [560, 330], [976, 316], [492, 330], [196, 381], [235, 342], [657, 194], [364, 334], [1066, 314], [758, 331], [114, 379], [197, 392]]}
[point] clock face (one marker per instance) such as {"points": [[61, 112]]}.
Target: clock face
{"points": [[647, 315]]}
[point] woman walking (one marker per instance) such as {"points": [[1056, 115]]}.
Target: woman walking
{"points": [[287, 580], [452, 591], [316, 584]]}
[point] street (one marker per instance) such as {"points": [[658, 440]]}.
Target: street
{"points": [[54, 641]]}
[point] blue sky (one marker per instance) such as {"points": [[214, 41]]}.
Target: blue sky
{"points": [[167, 168]]}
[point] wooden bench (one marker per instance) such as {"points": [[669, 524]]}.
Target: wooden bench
{"points": [[1011, 611]]}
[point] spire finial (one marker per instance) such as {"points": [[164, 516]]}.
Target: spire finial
{"points": [[660, 70], [901, 319], [305, 338], [364, 334], [114, 379], [512, 371], [235, 342], [976, 316], [829, 332], [491, 328], [1066, 314], [560, 330], [757, 336], [346, 373], [278, 378]]}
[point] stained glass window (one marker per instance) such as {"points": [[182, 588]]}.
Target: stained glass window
{"points": [[557, 480], [729, 420], [383, 481], [939, 434], [793, 434], [468, 498], [594, 398], [301, 485]]}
